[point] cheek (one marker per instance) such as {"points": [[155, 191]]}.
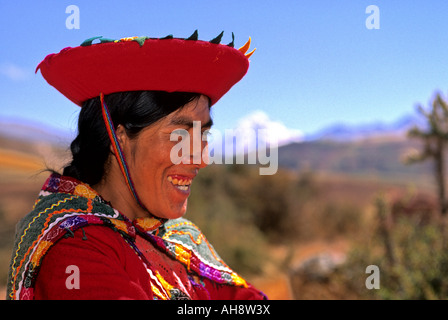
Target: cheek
{"points": [[151, 162]]}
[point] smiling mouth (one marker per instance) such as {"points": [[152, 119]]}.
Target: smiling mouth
{"points": [[181, 183]]}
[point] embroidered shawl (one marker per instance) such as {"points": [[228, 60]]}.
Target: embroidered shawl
{"points": [[65, 205]]}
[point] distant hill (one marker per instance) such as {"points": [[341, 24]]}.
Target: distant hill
{"points": [[348, 132], [373, 157], [32, 146], [25, 130], [373, 150]]}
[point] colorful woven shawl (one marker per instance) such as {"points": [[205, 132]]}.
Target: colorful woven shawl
{"points": [[65, 205]]}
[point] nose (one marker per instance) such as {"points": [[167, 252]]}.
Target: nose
{"points": [[200, 156], [205, 159]]}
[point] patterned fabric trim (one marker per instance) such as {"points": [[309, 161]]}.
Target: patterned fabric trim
{"points": [[65, 205], [185, 242]]}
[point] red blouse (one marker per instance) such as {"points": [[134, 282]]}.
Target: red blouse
{"points": [[97, 263]]}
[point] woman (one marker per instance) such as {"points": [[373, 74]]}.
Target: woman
{"points": [[111, 226]]}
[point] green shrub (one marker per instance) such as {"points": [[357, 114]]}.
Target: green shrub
{"points": [[416, 269]]}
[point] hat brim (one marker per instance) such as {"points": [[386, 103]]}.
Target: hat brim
{"points": [[172, 65]]}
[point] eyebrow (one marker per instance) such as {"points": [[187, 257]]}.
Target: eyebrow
{"points": [[182, 121]]}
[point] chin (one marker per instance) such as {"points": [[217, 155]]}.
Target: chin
{"points": [[173, 213]]}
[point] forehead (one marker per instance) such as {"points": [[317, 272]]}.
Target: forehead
{"points": [[196, 110]]}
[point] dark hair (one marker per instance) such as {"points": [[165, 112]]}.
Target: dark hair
{"points": [[134, 110]]}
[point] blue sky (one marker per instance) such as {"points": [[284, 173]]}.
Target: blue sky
{"points": [[316, 62]]}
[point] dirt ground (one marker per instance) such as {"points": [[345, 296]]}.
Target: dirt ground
{"points": [[276, 284]]}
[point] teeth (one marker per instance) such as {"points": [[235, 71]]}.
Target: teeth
{"points": [[180, 182]]}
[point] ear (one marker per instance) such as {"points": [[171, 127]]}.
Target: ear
{"points": [[122, 137]]}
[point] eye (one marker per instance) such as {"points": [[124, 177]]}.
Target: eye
{"points": [[207, 135], [179, 133]]}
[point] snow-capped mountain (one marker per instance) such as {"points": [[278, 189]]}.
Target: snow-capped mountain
{"points": [[253, 131], [346, 132]]}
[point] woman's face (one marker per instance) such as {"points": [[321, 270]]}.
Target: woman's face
{"points": [[162, 186]]}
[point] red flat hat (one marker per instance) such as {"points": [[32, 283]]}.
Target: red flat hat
{"points": [[142, 63]]}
